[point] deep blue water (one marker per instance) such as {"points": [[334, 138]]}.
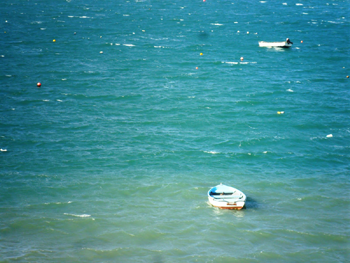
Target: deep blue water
{"points": [[145, 105]]}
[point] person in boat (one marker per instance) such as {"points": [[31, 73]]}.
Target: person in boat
{"points": [[289, 42]]}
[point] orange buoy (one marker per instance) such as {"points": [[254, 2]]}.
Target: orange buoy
{"points": [[196, 67], [301, 41], [38, 84]]}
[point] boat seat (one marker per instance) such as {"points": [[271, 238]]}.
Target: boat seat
{"points": [[227, 197]]}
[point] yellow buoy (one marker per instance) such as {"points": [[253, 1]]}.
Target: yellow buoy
{"points": [[201, 54], [54, 40]]}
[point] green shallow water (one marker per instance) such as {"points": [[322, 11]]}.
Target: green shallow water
{"points": [[111, 159]]}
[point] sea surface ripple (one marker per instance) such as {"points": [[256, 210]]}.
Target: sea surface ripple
{"points": [[145, 105]]}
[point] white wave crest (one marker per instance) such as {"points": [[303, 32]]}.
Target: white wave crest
{"points": [[83, 215], [211, 152]]}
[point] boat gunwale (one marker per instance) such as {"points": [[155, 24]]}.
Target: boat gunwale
{"points": [[236, 195]]}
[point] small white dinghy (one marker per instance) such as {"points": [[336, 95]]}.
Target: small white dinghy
{"points": [[226, 197], [283, 44]]}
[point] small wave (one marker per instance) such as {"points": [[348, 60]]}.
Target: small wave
{"points": [[298, 4], [58, 203], [290, 90], [3, 150], [211, 152], [334, 22], [128, 45], [217, 24], [83, 215]]}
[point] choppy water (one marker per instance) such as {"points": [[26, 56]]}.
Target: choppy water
{"points": [[111, 159]]}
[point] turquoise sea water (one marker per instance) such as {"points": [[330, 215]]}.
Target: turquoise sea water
{"points": [[110, 160]]}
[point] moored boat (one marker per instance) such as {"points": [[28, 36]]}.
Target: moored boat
{"points": [[226, 197], [282, 44]]}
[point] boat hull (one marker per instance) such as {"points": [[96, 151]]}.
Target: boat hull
{"points": [[227, 205], [282, 44]]}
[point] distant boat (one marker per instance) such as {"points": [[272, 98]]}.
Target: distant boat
{"points": [[226, 197], [283, 44]]}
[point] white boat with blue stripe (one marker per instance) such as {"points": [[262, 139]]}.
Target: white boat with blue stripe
{"points": [[226, 197], [281, 44]]}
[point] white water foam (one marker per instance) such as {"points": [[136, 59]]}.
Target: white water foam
{"points": [[83, 215]]}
